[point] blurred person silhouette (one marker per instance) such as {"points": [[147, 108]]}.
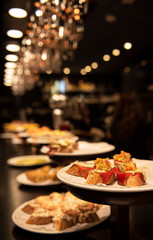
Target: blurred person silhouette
{"points": [[129, 131]]}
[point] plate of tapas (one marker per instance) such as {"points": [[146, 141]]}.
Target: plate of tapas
{"points": [[58, 213], [46, 132], [17, 126], [28, 160], [43, 176], [120, 174], [74, 148]]}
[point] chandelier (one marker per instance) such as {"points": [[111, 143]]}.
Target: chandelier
{"points": [[53, 33]]}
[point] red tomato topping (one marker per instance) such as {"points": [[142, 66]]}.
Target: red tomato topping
{"points": [[122, 176], [106, 175], [82, 168]]}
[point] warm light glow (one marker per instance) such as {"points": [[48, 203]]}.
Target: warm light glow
{"points": [[110, 18], [11, 57], [87, 69], [27, 72], [19, 71], [17, 12], [40, 44], [106, 57], [13, 47], [82, 71], [127, 45], [9, 70], [61, 32], [14, 33], [116, 52], [49, 71], [38, 13], [53, 32], [43, 1], [10, 65], [56, 2], [66, 70], [57, 111], [127, 69], [54, 17], [77, 17], [28, 42], [37, 4], [76, 11], [8, 76], [7, 83], [44, 55], [94, 65], [143, 63]]}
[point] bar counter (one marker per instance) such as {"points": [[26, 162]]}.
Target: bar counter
{"points": [[13, 194]]}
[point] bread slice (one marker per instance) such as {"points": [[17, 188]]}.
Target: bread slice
{"points": [[98, 176], [63, 221], [41, 216], [61, 210], [30, 206], [38, 175], [39, 220], [80, 169], [88, 217], [129, 178]]}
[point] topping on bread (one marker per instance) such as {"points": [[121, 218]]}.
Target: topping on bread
{"points": [[62, 210], [103, 164], [122, 157], [80, 169], [98, 176], [127, 173], [132, 179]]}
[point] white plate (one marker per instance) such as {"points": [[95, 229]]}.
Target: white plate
{"points": [[29, 160], [19, 218], [45, 140], [144, 165], [22, 178], [38, 140], [87, 148]]}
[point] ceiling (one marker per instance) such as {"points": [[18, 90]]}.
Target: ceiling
{"points": [[128, 21]]}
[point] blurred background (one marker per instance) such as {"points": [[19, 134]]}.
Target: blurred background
{"points": [[69, 63]]}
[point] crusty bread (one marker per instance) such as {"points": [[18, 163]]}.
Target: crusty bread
{"points": [[63, 221], [132, 179], [88, 217], [30, 207], [41, 216], [97, 176], [80, 169], [39, 174], [62, 210], [42, 174], [39, 220]]}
